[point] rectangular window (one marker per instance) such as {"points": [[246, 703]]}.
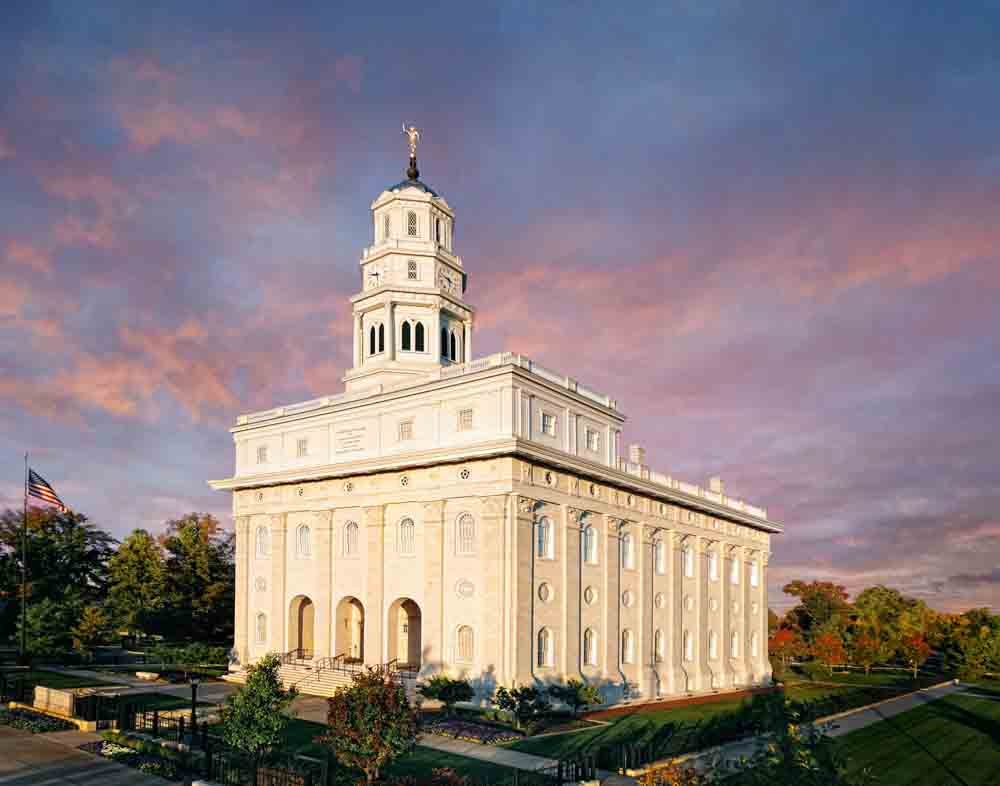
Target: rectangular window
{"points": [[262, 454], [411, 270], [405, 430], [411, 224], [549, 424], [593, 441], [302, 448], [385, 227], [465, 420]]}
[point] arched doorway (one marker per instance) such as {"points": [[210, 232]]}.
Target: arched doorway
{"points": [[301, 614], [349, 637], [404, 633]]}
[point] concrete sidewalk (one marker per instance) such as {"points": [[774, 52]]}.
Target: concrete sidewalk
{"points": [[495, 754], [52, 760]]}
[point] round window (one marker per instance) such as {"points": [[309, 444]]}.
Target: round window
{"points": [[404, 481], [464, 474]]}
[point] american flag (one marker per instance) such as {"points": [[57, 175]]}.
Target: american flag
{"points": [[39, 487]]}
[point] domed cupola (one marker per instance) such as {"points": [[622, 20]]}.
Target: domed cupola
{"points": [[410, 317]]}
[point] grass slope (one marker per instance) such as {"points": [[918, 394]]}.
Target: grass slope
{"points": [[955, 740]]}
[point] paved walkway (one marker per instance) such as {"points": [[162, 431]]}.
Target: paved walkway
{"points": [[496, 754], [212, 692], [52, 759]]}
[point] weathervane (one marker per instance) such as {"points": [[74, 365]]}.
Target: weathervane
{"points": [[413, 135]]}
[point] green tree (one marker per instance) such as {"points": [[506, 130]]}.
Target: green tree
{"points": [[200, 577], [136, 583], [91, 629], [576, 694], [447, 690], [822, 604], [370, 723], [67, 563], [525, 703], [254, 719], [49, 625]]}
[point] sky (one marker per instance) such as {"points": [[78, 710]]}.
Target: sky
{"points": [[770, 230]]}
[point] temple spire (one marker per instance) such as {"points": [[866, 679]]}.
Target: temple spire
{"points": [[413, 135]]}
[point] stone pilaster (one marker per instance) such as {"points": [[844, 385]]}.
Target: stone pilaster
{"points": [[613, 607], [375, 612], [279, 603], [572, 595], [432, 617], [243, 590], [323, 560], [524, 633], [493, 551], [761, 627]]}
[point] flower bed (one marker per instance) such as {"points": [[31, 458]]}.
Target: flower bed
{"points": [[35, 722], [471, 731], [152, 765]]}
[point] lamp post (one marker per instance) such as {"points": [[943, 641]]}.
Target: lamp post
{"points": [[194, 705]]}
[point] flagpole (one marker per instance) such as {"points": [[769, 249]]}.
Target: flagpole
{"points": [[24, 567]]}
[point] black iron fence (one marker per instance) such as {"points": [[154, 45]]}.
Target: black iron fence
{"points": [[16, 686], [236, 769]]}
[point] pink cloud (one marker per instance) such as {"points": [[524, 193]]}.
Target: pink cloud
{"points": [[347, 69], [148, 126], [29, 256], [6, 151]]}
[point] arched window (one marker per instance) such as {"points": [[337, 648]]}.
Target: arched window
{"points": [[590, 545], [589, 647], [546, 656], [628, 646], [628, 551], [688, 646], [546, 545], [418, 337], [405, 344], [660, 557], [381, 338], [754, 573], [407, 537], [371, 341], [263, 544], [734, 645], [444, 342], [713, 565], [465, 640], [688, 562], [466, 531], [261, 628], [454, 352], [753, 644], [350, 539], [734, 571], [303, 545], [659, 646], [713, 644]]}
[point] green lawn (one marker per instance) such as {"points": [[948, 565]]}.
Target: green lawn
{"points": [[644, 725], [896, 678], [954, 740], [636, 727]]}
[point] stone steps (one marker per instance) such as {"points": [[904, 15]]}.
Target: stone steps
{"points": [[324, 682]]}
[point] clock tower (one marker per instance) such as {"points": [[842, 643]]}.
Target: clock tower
{"points": [[410, 317]]}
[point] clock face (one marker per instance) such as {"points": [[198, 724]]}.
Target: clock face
{"points": [[446, 283], [374, 278]]}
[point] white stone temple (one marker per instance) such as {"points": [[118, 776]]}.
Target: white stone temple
{"points": [[475, 516]]}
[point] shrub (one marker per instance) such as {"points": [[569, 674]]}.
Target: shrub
{"points": [[674, 774], [447, 690], [254, 720], [525, 703], [575, 694]]}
